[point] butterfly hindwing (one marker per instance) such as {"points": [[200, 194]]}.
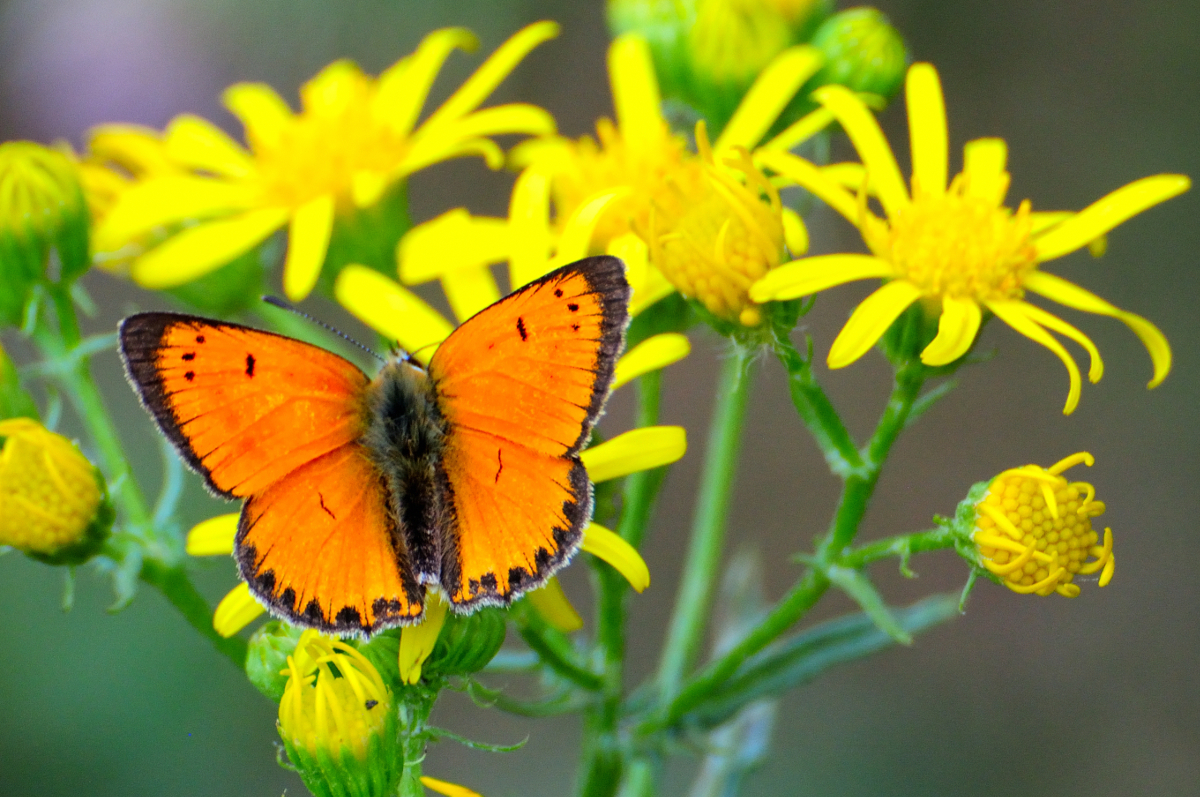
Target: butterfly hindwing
{"points": [[279, 422], [520, 385]]}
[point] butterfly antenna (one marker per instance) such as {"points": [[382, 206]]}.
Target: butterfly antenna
{"points": [[275, 301]]}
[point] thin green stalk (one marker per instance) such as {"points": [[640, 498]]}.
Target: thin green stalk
{"points": [[817, 412], [556, 653], [183, 595], [686, 632], [856, 493], [903, 545], [603, 763]]}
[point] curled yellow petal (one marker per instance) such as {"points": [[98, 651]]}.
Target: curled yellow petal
{"points": [[870, 320], [236, 611], [551, 603], [213, 537], [263, 113], [653, 353], [1013, 313], [404, 86], [607, 545], [635, 450], [391, 310], [204, 248], [771, 91], [956, 331], [417, 641]]}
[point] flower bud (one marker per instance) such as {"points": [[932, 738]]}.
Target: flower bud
{"points": [[41, 211], [468, 642], [1033, 529], [52, 503], [863, 52], [266, 658], [337, 720]]}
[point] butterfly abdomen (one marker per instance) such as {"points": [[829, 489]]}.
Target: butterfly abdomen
{"points": [[405, 438]]}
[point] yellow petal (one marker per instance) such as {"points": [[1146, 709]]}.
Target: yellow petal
{"points": [[263, 113], [429, 150], [203, 248], [1014, 314], [1056, 324], [469, 290], [446, 788], [451, 242], [308, 242], [635, 450], [636, 100], [927, 130], [164, 200], [366, 187], [860, 125], [576, 238], [795, 234], [984, 162], [333, 89], [200, 144], [551, 603], [1072, 295], [138, 149], [870, 320], [809, 177], [607, 545], [772, 90], [956, 331], [213, 537], [800, 130], [1040, 221], [652, 354], [489, 75], [391, 310], [1105, 213], [403, 87], [417, 641], [236, 611], [529, 223], [514, 118], [814, 274]]}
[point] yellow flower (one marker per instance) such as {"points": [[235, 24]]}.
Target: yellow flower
{"points": [[336, 719], [1034, 530], [957, 249], [355, 137], [50, 495], [711, 222]]}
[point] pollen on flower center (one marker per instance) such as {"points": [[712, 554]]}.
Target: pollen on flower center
{"points": [[963, 246]]}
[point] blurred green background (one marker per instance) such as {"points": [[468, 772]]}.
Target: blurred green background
{"points": [[1100, 695]]}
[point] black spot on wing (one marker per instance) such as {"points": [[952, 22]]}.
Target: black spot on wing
{"points": [[250, 365], [190, 375], [191, 355], [521, 328]]}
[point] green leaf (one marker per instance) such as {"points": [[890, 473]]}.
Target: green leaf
{"points": [[858, 586], [801, 658]]}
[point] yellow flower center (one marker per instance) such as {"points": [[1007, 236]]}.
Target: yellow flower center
{"points": [[713, 236], [962, 246], [1034, 530], [324, 147]]}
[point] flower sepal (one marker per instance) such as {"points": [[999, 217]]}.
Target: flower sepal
{"points": [[467, 642], [267, 655]]}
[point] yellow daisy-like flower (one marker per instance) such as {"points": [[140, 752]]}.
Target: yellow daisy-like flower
{"points": [[1034, 530], [954, 247], [355, 136], [49, 493], [712, 224]]}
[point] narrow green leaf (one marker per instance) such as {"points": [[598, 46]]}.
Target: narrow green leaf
{"points": [[858, 586]]}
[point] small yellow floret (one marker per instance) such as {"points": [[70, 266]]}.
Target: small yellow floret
{"points": [[1034, 530], [48, 490]]}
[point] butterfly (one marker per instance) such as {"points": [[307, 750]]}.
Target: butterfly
{"points": [[361, 493]]}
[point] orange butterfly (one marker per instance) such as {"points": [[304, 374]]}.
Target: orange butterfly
{"points": [[360, 492]]}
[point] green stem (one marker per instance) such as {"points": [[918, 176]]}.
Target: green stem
{"points": [[555, 651], [604, 764], [817, 412], [856, 493], [183, 595], [686, 632], [903, 545]]}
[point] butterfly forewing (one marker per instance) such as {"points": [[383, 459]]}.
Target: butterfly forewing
{"points": [[520, 385]]}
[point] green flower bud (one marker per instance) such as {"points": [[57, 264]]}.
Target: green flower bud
{"points": [[863, 52], [42, 210], [267, 657], [467, 642]]}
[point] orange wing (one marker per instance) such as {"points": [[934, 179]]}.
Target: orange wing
{"points": [[279, 422], [520, 386]]}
